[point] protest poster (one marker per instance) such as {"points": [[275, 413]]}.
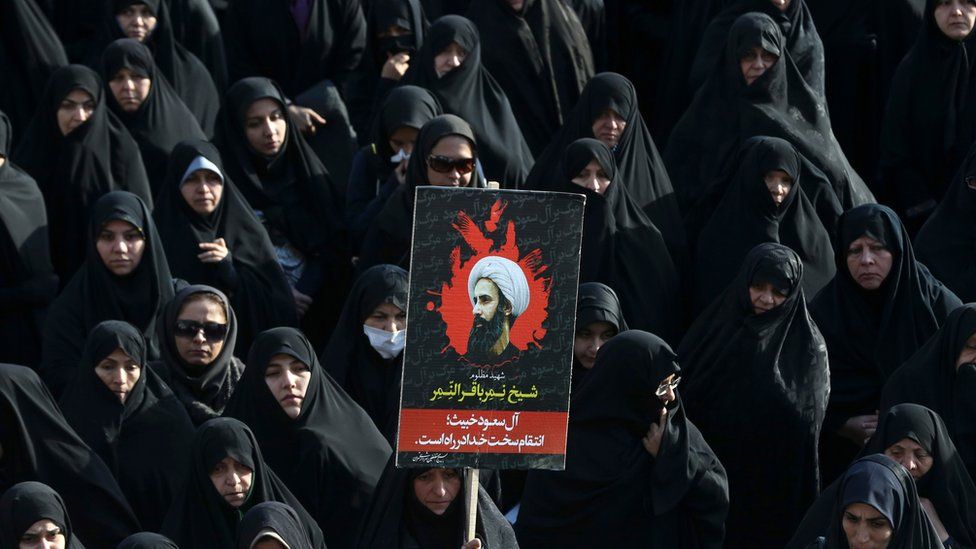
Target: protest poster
{"points": [[492, 308]]}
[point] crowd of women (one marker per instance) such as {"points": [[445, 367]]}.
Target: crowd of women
{"points": [[206, 213]]}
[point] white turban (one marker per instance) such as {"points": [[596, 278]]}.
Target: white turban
{"points": [[507, 275]]}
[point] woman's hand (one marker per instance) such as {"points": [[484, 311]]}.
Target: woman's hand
{"points": [[859, 429], [652, 442], [302, 302], [213, 252], [396, 66], [305, 118], [473, 544]]}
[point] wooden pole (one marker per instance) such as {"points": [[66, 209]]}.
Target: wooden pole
{"points": [[471, 503]]}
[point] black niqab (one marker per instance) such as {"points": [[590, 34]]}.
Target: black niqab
{"points": [[596, 302], [28, 502], [268, 517], [331, 455]]}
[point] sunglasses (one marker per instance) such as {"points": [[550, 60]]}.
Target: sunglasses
{"points": [[443, 164], [212, 331], [663, 388]]}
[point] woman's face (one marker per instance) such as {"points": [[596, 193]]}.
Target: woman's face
{"points": [[593, 177], [449, 59], [387, 316], [968, 353], [755, 62], [608, 126], [232, 480], [119, 372], [129, 89], [869, 262], [120, 245], [268, 542], [912, 456], [437, 488], [202, 190], [403, 139], [76, 108], [287, 379], [43, 534], [588, 341], [451, 162], [136, 21], [955, 18], [265, 126], [765, 297], [195, 346], [779, 184], [865, 527]]}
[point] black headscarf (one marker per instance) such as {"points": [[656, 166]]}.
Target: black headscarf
{"points": [[144, 440], [161, 121], [30, 51], [622, 248], [779, 103], [947, 240], [250, 275], [95, 294], [27, 280], [397, 520], [331, 455], [779, 359], [272, 517], [74, 170], [38, 444], [540, 57], [746, 216], [406, 106], [371, 380], [880, 482], [204, 391], [469, 91], [596, 302], [188, 75], [613, 492], [28, 502], [870, 333], [641, 170], [199, 516], [930, 120], [930, 378], [147, 540], [388, 239]]}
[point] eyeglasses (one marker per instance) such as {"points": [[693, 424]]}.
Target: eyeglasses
{"points": [[189, 329], [664, 387], [444, 164]]}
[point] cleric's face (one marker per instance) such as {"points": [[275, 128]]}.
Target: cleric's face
{"points": [[485, 299]]}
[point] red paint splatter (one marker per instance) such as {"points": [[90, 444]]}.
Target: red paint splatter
{"points": [[456, 308]]}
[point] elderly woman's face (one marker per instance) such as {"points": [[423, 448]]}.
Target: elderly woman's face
{"points": [[869, 262], [755, 62]]}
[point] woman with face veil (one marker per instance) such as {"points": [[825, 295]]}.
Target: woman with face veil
{"points": [[77, 151], [325, 448], [125, 277], [638, 472], [758, 333]]}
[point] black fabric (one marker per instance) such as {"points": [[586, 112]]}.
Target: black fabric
{"points": [[930, 378], [162, 121], [27, 280], [95, 294], [74, 170], [199, 516], [331, 455], [144, 440], [779, 359], [30, 51], [596, 302], [188, 75], [746, 215], [622, 248], [147, 540], [870, 334], [28, 502], [372, 381], [388, 239], [397, 520], [641, 170], [195, 26], [38, 444], [250, 274], [947, 240], [541, 58], [470, 91], [613, 493], [779, 103], [204, 391], [272, 516], [880, 482]]}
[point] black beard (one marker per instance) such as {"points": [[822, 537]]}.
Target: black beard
{"points": [[485, 334]]}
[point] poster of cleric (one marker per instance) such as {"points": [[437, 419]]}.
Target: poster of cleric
{"points": [[488, 356]]}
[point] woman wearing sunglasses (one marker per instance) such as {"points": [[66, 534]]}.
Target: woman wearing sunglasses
{"points": [[445, 155], [198, 334]]}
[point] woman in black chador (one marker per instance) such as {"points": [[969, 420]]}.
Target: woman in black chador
{"points": [[32, 513]]}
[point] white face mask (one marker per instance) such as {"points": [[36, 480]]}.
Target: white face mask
{"points": [[387, 344]]}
